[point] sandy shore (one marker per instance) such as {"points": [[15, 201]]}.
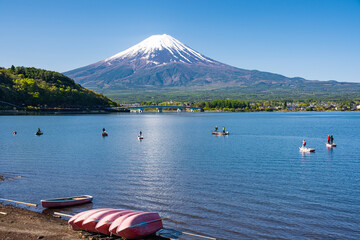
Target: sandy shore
{"points": [[18, 223]]}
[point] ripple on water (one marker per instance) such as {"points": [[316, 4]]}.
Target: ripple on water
{"points": [[251, 184]]}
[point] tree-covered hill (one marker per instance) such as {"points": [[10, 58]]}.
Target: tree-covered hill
{"points": [[24, 86]]}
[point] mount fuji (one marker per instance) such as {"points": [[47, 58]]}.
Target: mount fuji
{"points": [[161, 62]]}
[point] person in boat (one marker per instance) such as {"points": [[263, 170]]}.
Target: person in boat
{"points": [[223, 129], [304, 143], [331, 139], [328, 138], [38, 131], [140, 133], [216, 128], [104, 133]]}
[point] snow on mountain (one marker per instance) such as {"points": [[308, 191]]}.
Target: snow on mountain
{"points": [[163, 61], [160, 49]]}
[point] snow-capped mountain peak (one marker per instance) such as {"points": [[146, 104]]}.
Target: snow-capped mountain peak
{"points": [[160, 49]]}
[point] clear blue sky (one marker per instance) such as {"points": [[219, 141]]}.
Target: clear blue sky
{"points": [[314, 39]]}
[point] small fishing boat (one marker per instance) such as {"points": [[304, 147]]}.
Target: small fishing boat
{"points": [[38, 133], [305, 149], [140, 225], [330, 145], [64, 202], [104, 134], [220, 133], [140, 137]]}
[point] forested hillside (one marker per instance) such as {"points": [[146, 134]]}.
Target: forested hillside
{"points": [[23, 86]]}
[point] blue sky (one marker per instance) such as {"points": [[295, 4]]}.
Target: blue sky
{"points": [[314, 39]]}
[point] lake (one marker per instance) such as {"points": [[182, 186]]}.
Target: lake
{"points": [[252, 184]]}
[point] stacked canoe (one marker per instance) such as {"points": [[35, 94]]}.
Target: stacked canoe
{"points": [[124, 223]]}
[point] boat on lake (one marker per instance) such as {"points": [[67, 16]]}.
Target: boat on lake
{"points": [[330, 145], [65, 202], [305, 149], [220, 133]]}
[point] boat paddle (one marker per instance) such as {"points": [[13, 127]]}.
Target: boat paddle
{"points": [[197, 235], [29, 204], [63, 214]]}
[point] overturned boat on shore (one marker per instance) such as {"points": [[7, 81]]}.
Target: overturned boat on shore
{"points": [[124, 223]]}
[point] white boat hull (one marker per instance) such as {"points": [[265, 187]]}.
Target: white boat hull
{"points": [[305, 149], [330, 145]]}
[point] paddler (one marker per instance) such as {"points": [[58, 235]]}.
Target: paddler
{"points": [[140, 133], [329, 139], [304, 143], [223, 129], [216, 128], [38, 131]]}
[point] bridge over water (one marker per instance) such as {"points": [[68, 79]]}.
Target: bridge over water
{"points": [[160, 108]]}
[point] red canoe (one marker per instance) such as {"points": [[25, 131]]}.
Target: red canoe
{"points": [[76, 216], [73, 218], [104, 224], [139, 225], [64, 202], [77, 223], [90, 223], [115, 224]]}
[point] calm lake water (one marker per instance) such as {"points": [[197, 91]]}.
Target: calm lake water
{"points": [[252, 184]]}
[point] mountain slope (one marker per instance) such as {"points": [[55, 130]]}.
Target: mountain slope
{"points": [[31, 87], [162, 62]]}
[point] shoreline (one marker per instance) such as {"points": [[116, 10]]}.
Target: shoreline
{"points": [[22, 113], [19, 223], [22, 224], [60, 111]]}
